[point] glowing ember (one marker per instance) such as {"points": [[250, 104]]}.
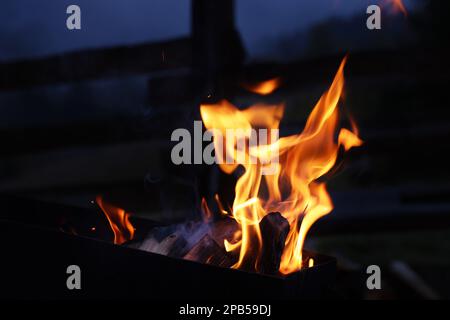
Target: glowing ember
{"points": [[118, 220], [293, 189]]}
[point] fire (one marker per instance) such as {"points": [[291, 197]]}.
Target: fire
{"points": [[299, 161], [264, 88], [118, 220], [397, 6]]}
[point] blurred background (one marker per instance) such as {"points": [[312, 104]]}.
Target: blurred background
{"points": [[88, 112]]}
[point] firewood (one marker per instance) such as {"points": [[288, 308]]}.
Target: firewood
{"points": [[165, 240], [209, 252], [173, 246], [274, 230], [223, 229]]}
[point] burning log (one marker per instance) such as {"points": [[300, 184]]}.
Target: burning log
{"points": [[190, 241], [274, 230], [165, 240], [172, 245], [209, 252], [224, 229]]}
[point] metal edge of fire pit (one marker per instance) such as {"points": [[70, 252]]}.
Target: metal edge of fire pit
{"points": [[35, 261], [35, 257]]}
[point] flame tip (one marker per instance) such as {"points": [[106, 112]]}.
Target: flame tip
{"points": [[118, 220]]}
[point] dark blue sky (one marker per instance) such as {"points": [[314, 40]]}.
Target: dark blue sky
{"points": [[31, 27]]}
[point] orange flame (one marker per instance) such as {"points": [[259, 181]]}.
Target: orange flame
{"points": [[118, 220], [264, 88], [397, 6], [293, 189], [207, 214]]}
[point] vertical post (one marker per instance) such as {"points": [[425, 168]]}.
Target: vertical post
{"points": [[216, 43], [217, 52]]}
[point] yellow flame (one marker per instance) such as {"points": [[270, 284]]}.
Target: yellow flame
{"points": [[293, 189]]}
